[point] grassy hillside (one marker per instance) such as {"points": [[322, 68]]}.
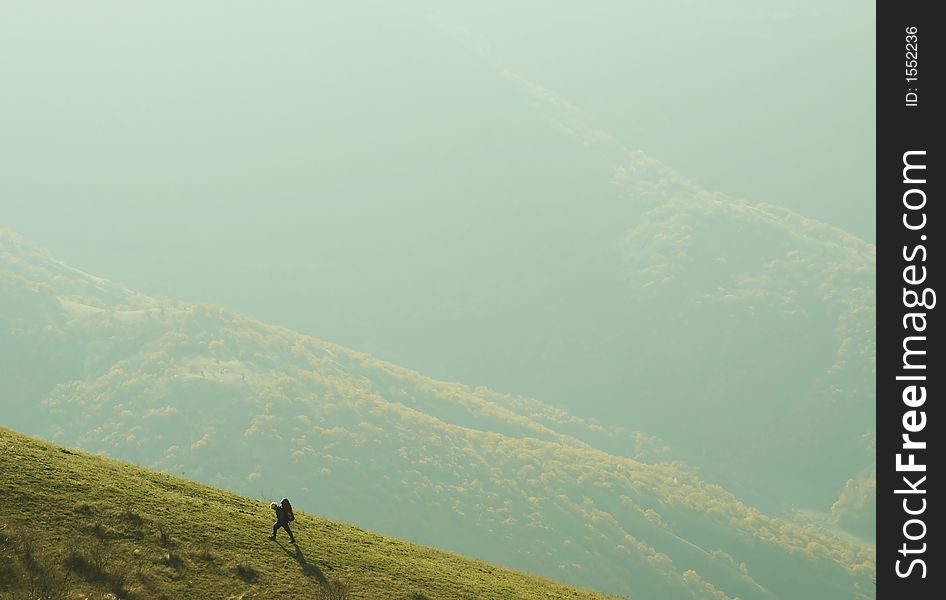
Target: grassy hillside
{"points": [[93, 525]]}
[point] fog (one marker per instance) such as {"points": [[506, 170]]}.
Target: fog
{"points": [[654, 218], [416, 180]]}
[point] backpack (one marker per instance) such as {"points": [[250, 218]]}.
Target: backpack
{"points": [[288, 508]]}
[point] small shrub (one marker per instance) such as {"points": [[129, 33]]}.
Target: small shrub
{"points": [[43, 580], [173, 560], [417, 596], [101, 531], [91, 564], [36, 576], [98, 557], [138, 556], [132, 518], [247, 572], [48, 585], [164, 534], [203, 552], [79, 564], [334, 590], [25, 549], [84, 508]]}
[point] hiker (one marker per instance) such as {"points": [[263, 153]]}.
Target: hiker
{"points": [[282, 520]]}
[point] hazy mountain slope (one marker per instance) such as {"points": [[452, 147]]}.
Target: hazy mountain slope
{"points": [[142, 534], [781, 375], [247, 406], [454, 189], [752, 318], [620, 289]]}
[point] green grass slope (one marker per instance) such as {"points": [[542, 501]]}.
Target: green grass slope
{"points": [[75, 525]]}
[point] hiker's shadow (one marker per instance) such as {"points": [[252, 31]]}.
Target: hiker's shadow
{"points": [[308, 569]]}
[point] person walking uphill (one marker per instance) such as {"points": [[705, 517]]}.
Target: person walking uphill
{"points": [[282, 520]]}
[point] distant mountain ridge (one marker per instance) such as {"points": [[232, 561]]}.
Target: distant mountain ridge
{"points": [[228, 400]]}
